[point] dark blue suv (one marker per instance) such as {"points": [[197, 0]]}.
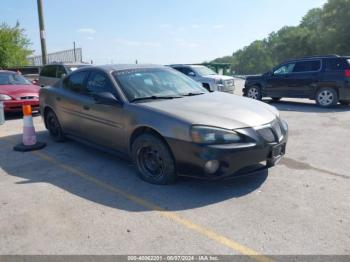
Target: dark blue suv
{"points": [[325, 79]]}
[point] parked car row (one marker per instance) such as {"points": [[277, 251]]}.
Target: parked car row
{"points": [[166, 118]]}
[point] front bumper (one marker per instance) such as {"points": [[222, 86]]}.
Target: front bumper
{"points": [[234, 159], [16, 105]]}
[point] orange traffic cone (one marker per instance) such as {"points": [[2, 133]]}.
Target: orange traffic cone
{"points": [[29, 142]]}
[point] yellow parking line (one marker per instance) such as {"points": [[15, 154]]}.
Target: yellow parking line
{"points": [[235, 246]]}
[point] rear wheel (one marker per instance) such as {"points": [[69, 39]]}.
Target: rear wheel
{"points": [[154, 160], [326, 97], [254, 92], [54, 127]]}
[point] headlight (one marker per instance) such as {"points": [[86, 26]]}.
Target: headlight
{"points": [[211, 135], [5, 97], [219, 81]]}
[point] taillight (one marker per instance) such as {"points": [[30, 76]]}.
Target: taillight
{"points": [[347, 73]]}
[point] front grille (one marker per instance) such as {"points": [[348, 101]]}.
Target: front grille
{"points": [[272, 132], [27, 97], [267, 134], [229, 83], [277, 129]]}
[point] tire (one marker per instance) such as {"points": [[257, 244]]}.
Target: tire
{"points": [[276, 99], [326, 97], [344, 102], [254, 92], [206, 86], [154, 160], [54, 127]]}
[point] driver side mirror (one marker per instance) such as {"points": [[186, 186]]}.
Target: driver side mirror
{"points": [[105, 98], [63, 76]]}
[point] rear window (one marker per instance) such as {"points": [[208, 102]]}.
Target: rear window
{"points": [[337, 64], [307, 66]]}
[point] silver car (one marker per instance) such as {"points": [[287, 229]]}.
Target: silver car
{"points": [[208, 78], [50, 74], [167, 123]]}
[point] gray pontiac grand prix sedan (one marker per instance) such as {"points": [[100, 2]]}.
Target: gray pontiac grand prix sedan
{"points": [[166, 122]]}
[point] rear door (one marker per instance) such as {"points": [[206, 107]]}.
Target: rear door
{"points": [[304, 79], [102, 124], [69, 100]]}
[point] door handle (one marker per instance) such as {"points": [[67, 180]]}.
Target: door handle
{"points": [[86, 107]]}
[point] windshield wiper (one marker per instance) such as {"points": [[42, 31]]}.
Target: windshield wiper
{"points": [[154, 98], [193, 94]]}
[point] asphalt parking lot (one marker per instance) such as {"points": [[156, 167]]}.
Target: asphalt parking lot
{"points": [[72, 199]]}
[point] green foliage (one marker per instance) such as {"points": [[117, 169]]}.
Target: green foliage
{"points": [[322, 31], [14, 46]]}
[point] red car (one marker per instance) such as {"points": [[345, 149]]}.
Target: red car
{"points": [[16, 90]]}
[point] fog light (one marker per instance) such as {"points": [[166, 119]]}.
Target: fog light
{"points": [[212, 166]]}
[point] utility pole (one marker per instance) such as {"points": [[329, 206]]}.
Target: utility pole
{"points": [[75, 55], [42, 32]]}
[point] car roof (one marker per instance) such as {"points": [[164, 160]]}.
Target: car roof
{"points": [[315, 58], [119, 67], [67, 64], [7, 71]]}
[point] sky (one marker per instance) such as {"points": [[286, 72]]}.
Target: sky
{"points": [[154, 31]]}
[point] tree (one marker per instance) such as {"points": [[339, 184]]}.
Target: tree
{"points": [[14, 46], [322, 31]]}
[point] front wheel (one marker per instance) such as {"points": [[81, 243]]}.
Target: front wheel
{"points": [[154, 160], [254, 92], [326, 97]]}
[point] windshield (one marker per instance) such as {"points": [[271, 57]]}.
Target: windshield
{"points": [[155, 82], [13, 79], [204, 71]]}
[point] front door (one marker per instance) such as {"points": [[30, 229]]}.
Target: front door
{"points": [[102, 124], [277, 82]]}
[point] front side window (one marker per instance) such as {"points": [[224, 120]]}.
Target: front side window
{"points": [[285, 69], [13, 79], [148, 82], [75, 82], [61, 71], [307, 66], [98, 82]]}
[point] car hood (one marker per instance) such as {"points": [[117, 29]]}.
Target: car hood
{"points": [[254, 77], [218, 77], [217, 109], [17, 90]]}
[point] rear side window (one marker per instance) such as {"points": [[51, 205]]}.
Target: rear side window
{"points": [[307, 66], [48, 71], [337, 64], [75, 82]]}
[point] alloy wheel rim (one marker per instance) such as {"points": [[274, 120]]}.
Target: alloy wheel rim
{"points": [[325, 98], [253, 93]]}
